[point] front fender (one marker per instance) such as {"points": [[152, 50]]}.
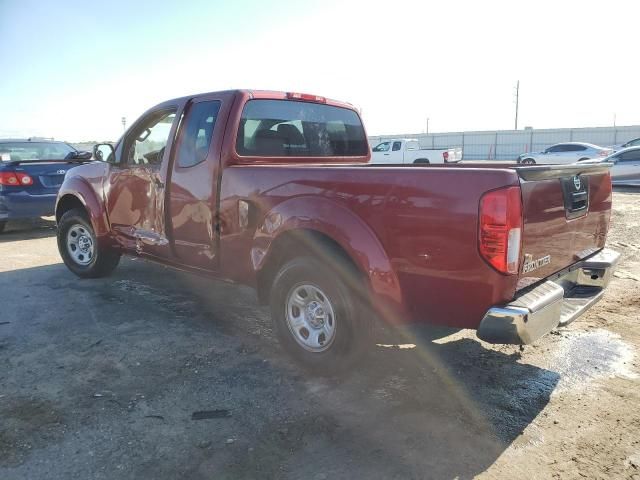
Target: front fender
{"points": [[343, 226], [81, 189]]}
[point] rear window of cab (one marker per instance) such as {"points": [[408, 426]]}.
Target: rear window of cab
{"points": [[286, 128]]}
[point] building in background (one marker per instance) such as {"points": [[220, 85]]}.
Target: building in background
{"points": [[508, 144]]}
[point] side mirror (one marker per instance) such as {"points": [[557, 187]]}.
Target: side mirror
{"points": [[104, 152]]}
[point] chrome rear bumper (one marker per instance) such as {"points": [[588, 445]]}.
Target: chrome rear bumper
{"points": [[555, 302]]}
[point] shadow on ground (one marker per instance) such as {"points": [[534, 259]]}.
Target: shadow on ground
{"points": [[100, 379], [28, 229]]}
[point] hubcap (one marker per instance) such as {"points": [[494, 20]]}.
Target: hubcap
{"points": [[80, 244], [310, 317]]}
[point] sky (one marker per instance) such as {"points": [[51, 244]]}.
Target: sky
{"points": [[72, 69]]}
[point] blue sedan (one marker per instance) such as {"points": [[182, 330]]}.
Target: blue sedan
{"points": [[31, 172]]}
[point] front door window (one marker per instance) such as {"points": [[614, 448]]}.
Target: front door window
{"points": [[150, 140]]}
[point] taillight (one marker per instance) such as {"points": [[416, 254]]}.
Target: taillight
{"points": [[500, 229], [24, 179], [14, 179], [445, 156], [604, 153]]}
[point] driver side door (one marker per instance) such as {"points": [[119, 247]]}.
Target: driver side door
{"points": [[136, 184]]}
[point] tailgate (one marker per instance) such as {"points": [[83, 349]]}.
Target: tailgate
{"points": [[566, 211]]}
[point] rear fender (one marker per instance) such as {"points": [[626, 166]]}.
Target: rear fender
{"points": [[345, 228]]}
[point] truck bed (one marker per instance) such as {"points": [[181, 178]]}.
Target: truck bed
{"points": [[426, 220]]}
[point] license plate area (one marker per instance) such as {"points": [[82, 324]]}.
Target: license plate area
{"points": [[576, 196]]}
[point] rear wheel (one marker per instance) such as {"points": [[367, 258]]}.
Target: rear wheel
{"points": [[316, 316], [79, 248], [2, 225], [421, 160]]}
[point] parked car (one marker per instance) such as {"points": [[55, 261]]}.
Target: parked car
{"points": [[31, 172], [563, 153], [626, 166], [409, 151], [631, 143], [274, 190]]}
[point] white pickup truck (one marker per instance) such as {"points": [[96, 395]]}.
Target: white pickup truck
{"points": [[408, 151]]}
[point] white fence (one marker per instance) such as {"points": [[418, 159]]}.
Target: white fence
{"points": [[508, 144]]}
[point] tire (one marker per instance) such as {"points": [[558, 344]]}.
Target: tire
{"points": [[583, 159], [330, 309], [79, 248], [2, 226], [421, 161], [528, 161]]}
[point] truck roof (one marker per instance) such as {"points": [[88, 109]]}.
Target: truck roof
{"points": [[273, 95]]}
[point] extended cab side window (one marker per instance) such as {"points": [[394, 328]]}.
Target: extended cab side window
{"points": [[281, 128], [149, 140], [197, 131], [396, 146]]}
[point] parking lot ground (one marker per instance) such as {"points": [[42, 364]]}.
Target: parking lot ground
{"points": [[101, 379]]}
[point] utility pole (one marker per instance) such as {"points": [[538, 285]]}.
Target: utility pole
{"points": [[427, 125], [517, 101], [124, 123], [614, 120]]}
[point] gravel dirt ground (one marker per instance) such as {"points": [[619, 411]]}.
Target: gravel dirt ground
{"points": [[101, 378]]}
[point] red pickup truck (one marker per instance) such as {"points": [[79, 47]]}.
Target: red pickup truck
{"points": [[275, 190]]}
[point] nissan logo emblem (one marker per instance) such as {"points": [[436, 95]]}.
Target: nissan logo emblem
{"points": [[61, 172], [576, 182]]}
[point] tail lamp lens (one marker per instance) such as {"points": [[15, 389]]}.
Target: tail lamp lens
{"points": [[24, 179], [15, 178], [501, 229], [445, 156]]}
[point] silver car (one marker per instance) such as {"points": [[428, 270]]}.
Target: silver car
{"points": [[626, 166], [631, 143], [564, 153]]}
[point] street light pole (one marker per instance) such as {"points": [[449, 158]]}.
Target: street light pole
{"points": [[124, 123], [517, 101]]}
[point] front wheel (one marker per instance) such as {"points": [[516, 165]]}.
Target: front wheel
{"points": [[528, 161], [316, 316], [80, 250]]}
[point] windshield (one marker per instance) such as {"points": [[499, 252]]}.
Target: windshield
{"points": [[30, 151]]}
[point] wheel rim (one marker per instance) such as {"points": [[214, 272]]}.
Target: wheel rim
{"points": [[310, 317], [80, 244]]}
